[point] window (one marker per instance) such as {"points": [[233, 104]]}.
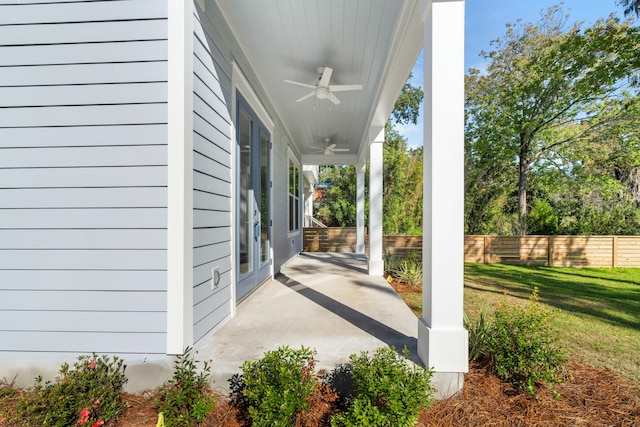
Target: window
{"points": [[294, 196]]}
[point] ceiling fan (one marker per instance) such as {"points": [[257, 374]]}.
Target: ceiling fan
{"points": [[330, 149], [322, 89]]}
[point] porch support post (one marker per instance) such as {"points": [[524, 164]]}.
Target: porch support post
{"points": [[376, 265], [442, 339], [360, 170]]}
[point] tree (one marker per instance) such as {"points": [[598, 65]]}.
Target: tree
{"points": [[630, 6], [542, 78], [402, 179]]}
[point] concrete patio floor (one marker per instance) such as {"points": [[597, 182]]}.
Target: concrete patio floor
{"points": [[324, 301]]}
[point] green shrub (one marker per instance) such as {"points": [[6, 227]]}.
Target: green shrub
{"points": [[479, 333], [521, 346], [87, 395], [389, 390], [278, 386], [409, 272], [391, 263], [186, 399]]}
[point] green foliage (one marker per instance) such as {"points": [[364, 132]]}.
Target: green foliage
{"points": [[519, 343], [551, 99], [389, 390], [409, 272], [542, 219], [86, 395], [278, 386], [479, 334], [402, 179], [186, 399]]}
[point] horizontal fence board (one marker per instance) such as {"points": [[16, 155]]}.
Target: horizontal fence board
{"points": [[560, 251]]}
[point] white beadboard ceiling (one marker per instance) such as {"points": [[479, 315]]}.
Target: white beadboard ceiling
{"points": [[370, 42]]}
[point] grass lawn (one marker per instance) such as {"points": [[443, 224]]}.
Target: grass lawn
{"points": [[597, 309]]}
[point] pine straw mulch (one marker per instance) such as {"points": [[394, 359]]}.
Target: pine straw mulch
{"points": [[595, 397]]}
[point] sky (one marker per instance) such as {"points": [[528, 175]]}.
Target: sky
{"points": [[485, 21]]}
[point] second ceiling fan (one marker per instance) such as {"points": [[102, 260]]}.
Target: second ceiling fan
{"points": [[322, 89]]}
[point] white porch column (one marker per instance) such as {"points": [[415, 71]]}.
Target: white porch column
{"points": [[376, 265], [360, 170], [308, 206], [442, 339]]}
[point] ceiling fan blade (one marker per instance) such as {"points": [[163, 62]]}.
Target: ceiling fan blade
{"points": [[326, 77], [342, 88], [340, 149], [309, 95], [333, 98], [330, 147], [300, 84]]}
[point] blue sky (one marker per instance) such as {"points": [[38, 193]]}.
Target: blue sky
{"points": [[485, 20]]}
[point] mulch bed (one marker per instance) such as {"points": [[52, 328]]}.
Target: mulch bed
{"points": [[595, 397]]}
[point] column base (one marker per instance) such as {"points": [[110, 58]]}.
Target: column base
{"points": [[447, 384], [444, 350], [376, 267]]}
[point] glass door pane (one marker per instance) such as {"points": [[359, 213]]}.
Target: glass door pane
{"points": [[264, 198], [245, 220]]}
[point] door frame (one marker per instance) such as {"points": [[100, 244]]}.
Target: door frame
{"points": [[240, 86]]}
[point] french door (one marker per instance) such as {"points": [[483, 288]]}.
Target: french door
{"points": [[253, 235]]}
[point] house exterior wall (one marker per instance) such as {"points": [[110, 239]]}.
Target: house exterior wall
{"points": [[83, 182], [221, 49], [212, 178]]}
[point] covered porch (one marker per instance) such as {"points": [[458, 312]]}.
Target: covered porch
{"points": [[324, 301], [299, 53]]}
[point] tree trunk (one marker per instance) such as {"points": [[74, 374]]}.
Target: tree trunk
{"points": [[522, 192]]}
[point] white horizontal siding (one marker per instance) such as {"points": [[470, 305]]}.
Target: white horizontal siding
{"points": [[83, 115], [83, 239], [100, 53], [82, 32], [78, 136], [134, 301], [83, 280], [134, 218], [72, 74], [83, 156], [83, 176], [83, 12], [212, 183], [125, 197], [84, 321], [100, 94], [84, 342], [86, 177]]}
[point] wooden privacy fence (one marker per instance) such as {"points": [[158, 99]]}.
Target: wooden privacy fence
{"points": [[558, 251]]}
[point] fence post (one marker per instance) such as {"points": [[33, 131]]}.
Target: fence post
{"points": [[485, 254], [550, 252], [614, 261]]}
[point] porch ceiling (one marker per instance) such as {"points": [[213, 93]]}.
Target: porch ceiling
{"points": [[374, 43]]}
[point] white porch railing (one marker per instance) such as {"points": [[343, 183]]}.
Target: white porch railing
{"points": [[310, 221]]}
